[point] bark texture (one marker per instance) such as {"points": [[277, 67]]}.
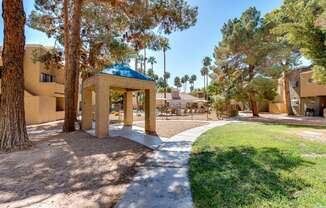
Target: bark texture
{"points": [[287, 94], [252, 100], [72, 74], [164, 77], [13, 133]]}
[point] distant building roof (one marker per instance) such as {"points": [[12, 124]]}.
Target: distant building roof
{"points": [[123, 70]]}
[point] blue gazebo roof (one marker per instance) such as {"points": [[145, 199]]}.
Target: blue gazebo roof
{"points": [[123, 70]]}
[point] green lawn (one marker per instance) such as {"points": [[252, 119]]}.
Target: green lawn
{"points": [[258, 165]]}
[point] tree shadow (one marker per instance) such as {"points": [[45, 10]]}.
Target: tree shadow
{"points": [[69, 170], [244, 176], [294, 123]]}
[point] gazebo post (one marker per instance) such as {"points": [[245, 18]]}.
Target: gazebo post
{"points": [[128, 109], [102, 107], [150, 105], [87, 109]]}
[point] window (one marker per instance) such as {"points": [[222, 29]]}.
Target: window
{"points": [[296, 84], [46, 78]]}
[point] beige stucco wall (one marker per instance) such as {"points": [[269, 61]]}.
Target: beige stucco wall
{"points": [[310, 88], [41, 97], [277, 107], [32, 71], [41, 109]]}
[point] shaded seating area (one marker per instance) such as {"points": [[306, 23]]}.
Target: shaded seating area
{"points": [[121, 78]]}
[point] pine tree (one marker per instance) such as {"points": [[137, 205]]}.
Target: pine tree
{"points": [[13, 133]]}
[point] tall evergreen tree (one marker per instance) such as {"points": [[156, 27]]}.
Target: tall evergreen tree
{"points": [[248, 57], [13, 133], [301, 23], [133, 22]]}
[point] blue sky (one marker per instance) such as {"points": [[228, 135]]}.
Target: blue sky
{"points": [[187, 47]]}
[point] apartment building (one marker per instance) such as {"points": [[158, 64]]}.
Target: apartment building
{"points": [[44, 88], [307, 96]]}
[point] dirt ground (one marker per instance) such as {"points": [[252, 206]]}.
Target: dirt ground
{"points": [[168, 128], [75, 169], [68, 170]]}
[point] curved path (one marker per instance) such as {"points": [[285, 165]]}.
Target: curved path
{"points": [[163, 180]]}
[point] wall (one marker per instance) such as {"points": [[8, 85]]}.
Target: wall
{"points": [[310, 88], [41, 109], [40, 98], [277, 107]]}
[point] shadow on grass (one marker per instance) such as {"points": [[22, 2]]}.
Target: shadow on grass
{"points": [[244, 176], [285, 122], [296, 126]]}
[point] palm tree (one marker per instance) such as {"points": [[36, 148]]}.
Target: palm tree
{"points": [[152, 60], [204, 72], [184, 80], [207, 61], [192, 80], [164, 43], [177, 82], [141, 60]]}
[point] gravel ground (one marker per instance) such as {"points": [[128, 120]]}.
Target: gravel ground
{"points": [[68, 170]]}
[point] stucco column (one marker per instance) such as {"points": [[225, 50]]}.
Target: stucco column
{"points": [[150, 116], [102, 107], [87, 109], [128, 117]]}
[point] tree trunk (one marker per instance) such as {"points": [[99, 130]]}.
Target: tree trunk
{"points": [[289, 110], [252, 100], [13, 134], [72, 78], [164, 75], [66, 36], [145, 59], [254, 107], [205, 87]]}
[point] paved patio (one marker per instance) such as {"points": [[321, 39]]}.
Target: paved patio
{"points": [[163, 180]]}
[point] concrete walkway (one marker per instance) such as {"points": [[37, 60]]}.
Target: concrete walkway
{"points": [[163, 181]]}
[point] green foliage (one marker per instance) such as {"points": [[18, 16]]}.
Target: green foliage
{"points": [[249, 58], [152, 60], [263, 88], [257, 165], [302, 23], [167, 75], [177, 82], [219, 105], [51, 58], [116, 96], [207, 61], [114, 32], [185, 78], [192, 81], [151, 74], [319, 74], [161, 89], [160, 83]]}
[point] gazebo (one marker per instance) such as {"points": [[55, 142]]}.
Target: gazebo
{"points": [[122, 78]]}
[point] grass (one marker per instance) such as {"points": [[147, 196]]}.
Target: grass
{"points": [[257, 165]]}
